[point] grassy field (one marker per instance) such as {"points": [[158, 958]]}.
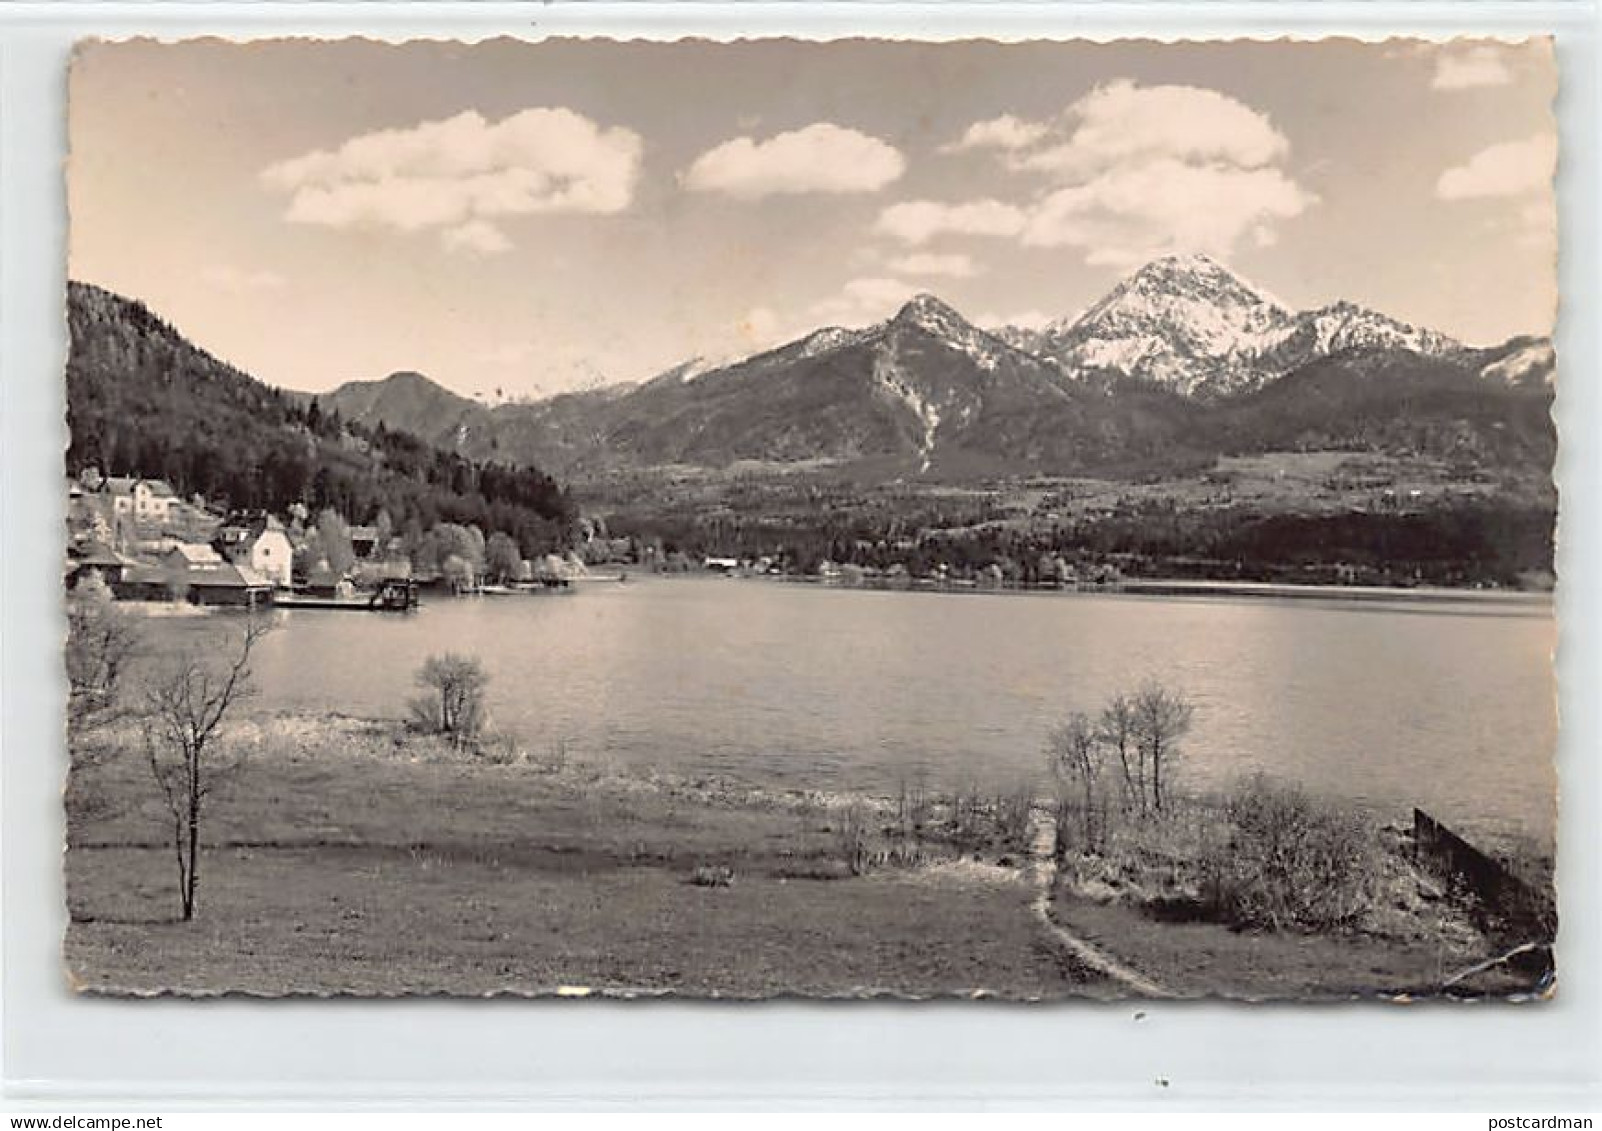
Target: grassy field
{"points": [[349, 856], [343, 859]]}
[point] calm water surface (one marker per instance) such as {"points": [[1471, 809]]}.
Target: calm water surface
{"points": [[1448, 706]]}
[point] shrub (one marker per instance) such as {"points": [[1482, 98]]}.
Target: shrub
{"points": [[1064, 813], [102, 641], [712, 876], [556, 761], [914, 809], [967, 811], [500, 750], [1289, 861], [1014, 816], [454, 705], [851, 836]]}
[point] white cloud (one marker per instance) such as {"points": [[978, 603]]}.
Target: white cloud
{"points": [[947, 266], [1137, 171], [1509, 168], [240, 281], [462, 173], [1130, 214], [919, 221], [478, 236], [1121, 124], [1005, 132], [1477, 66], [1515, 179], [822, 157], [1516, 175]]}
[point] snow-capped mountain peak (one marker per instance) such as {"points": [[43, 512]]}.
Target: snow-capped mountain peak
{"points": [[1185, 321], [930, 313], [938, 319], [1196, 275], [1189, 322]]}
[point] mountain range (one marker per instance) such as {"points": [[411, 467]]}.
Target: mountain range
{"points": [[1181, 361]]}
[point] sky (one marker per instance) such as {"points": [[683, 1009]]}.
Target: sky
{"points": [[518, 219]]}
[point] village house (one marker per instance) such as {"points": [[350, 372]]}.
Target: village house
{"points": [[184, 571], [259, 543], [142, 500]]}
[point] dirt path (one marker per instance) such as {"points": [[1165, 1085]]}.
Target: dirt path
{"points": [[1043, 869]]}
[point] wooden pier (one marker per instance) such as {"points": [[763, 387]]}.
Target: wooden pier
{"points": [[395, 596]]}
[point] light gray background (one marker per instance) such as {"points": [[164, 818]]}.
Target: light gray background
{"points": [[87, 1053]]}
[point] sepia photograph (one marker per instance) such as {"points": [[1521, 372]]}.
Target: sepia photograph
{"points": [[859, 518]]}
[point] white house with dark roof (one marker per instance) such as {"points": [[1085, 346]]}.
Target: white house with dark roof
{"points": [[143, 500], [260, 544]]}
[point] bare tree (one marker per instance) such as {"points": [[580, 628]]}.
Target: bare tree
{"points": [[184, 708], [454, 705], [1117, 729], [1161, 719], [1075, 749]]}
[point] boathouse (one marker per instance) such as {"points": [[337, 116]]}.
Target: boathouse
{"points": [[225, 584]]}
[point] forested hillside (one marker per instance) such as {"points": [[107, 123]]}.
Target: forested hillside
{"points": [[142, 400]]}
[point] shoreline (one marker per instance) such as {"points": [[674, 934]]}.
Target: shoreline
{"points": [[349, 841], [1181, 587], [1353, 593], [1184, 588]]}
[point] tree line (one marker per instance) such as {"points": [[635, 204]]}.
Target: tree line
{"points": [[1463, 542], [141, 400]]}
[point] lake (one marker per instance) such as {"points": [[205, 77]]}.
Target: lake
{"points": [[1447, 705]]}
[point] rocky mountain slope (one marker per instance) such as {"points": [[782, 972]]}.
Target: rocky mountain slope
{"points": [[1180, 361]]}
